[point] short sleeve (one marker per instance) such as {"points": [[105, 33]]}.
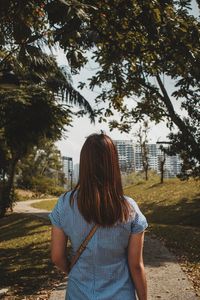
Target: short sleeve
{"points": [[56, 215], [139, 223]]}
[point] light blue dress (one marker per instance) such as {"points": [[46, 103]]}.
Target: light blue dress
{"points": [[101, 272]]}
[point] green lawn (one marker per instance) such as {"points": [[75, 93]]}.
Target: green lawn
{"points": [[45, 204], [174, 202], [173, 212], [25, 263]]}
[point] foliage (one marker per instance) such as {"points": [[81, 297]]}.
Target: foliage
{"points": [[23, 195], [44, 160], [27, 116], [45, 185], [190, 164], [137, 178], [138, 43], [34, 110], [135, 43]]}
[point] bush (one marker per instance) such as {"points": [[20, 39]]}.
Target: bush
{"points": [[46, 185], [56, 190]]}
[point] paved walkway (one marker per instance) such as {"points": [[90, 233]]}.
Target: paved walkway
{"points": [[166, 280]]}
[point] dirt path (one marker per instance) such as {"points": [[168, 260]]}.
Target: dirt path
{"points": [[166, 280], [25, 207]]}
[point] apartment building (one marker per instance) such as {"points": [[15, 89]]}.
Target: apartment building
{"points": [[125, 154], [68, 170], [130, 158]]}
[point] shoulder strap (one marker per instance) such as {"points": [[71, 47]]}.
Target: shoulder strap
{"points": [[83, 246]]}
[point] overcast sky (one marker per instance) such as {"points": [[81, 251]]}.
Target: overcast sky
{"points": [[71, 145]]}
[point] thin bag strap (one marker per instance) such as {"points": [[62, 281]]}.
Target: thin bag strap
{"points": [[83, 246]]}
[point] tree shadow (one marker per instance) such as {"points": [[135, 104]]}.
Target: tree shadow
{"points": [[17, 228], [25, 263], [185, 212], [178, 225]]}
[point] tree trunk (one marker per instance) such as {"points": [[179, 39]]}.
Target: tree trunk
{"points": [[177, 120], [146, 173], [161, 171], [162, 164], [6, 193]]}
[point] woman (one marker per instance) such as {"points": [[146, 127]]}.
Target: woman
{"points": [[111, 267]]}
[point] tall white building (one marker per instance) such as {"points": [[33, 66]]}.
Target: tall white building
{"points": [[137, 158], [152, 155], [130, 158], [125, 154], [76, 173], [172, 165], [68, 170]]}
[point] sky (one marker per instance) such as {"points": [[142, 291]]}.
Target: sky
{"points": [[71, 144]]}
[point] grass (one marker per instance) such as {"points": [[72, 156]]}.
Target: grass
{"points": [[45, 204], [174, 202], [173, 212], [26, 269]]}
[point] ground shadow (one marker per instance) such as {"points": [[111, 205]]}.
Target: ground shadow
{"points": [[25, 263], [185, 212]]}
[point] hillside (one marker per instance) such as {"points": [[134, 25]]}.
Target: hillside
{"points": [[173, 212]]}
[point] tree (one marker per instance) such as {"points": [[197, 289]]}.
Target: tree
{"points": [[29, 115], [44, 160], [31, 27], [137, 44], [34, 109], [161, 161], [141, 135], [190, 166], [134, 42]]}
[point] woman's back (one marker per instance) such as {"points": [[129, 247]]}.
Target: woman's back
{"points": [[102, 270]]}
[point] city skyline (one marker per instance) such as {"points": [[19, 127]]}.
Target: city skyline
{"points": [[130, 158]]}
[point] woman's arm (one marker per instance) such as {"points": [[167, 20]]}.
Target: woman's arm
{"points": [[58, 249], [136, 265]]}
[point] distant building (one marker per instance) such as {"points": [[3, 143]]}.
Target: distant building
{"points": [[172, 165], [125, 154], [68, 170], [76, 173], [137, 158], [130, 158], [152, 155]]}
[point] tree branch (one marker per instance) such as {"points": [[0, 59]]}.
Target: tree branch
{"points": [[8, 55], [174, 117]]}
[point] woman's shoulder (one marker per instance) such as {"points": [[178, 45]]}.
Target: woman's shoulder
{"points": [[131, 201], [139, 222], [65, 197]]}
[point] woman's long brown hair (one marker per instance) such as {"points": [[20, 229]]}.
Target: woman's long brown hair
{"points": [[99, 190]]}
